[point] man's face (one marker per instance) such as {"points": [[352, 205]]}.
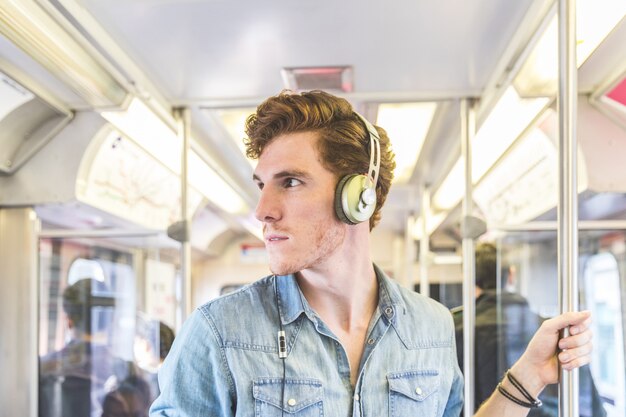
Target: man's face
{"points": [[300, 228]]}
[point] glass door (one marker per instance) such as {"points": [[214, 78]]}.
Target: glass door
{"points": [[106, 306]]}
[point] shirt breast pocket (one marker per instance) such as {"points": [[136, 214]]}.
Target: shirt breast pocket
{"points": [[413, 393], [302, 397]]}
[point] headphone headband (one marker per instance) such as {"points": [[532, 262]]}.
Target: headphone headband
{"points": [[374, 140], [355, 196]]}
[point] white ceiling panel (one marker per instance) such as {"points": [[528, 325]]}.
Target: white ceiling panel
{"points": [[198, 50]]}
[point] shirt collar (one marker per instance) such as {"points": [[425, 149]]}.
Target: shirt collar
{"points": [[292, 303], [390, 301]]}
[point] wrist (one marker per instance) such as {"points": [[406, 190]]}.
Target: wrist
{"points": [[529, 378]]}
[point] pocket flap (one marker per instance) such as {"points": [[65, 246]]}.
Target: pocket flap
{"points": [[299, 393], [417, 385]]}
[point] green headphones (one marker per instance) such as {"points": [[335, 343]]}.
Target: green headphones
{"points": [[355, 195]]}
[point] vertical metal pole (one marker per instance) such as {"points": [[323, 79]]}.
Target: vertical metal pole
{"points": [[469, 282], [19, 304], [567, 233], [184, 132], [139, 266], [424, 243]]}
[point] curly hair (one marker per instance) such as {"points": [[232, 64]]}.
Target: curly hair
{"points": [[344, 140]]}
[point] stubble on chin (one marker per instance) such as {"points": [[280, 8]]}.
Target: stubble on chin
{"points": [[325, 243], [277, 269], [280, 266]]}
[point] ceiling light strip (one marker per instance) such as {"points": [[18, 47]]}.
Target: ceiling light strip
{"points": [[149, 132], [30, 28]]}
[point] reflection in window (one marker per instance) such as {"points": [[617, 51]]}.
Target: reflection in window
{"points": [[87, 318], [602, 287]]}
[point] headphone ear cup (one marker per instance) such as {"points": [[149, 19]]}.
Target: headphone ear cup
{"points": [[348, 199], [339, 208]]}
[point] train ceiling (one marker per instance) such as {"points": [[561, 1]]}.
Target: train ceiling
{"points": [[221, 58]]}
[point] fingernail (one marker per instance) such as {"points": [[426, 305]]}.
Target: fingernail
{"points": [[564, 357]]}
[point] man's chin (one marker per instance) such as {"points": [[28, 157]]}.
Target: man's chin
{"points": [[282, 269]]}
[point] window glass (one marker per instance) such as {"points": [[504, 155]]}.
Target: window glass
{"points": [[602, 290], [98, 353], [516, 277]]}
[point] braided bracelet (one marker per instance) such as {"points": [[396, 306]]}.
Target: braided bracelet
{"points": [[517, 400], [523, 390], [514, 399], [532, 402]]}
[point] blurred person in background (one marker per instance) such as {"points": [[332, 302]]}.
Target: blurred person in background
{"points": [[74, 380], [153, 341], [131, 398], [505, 324]]}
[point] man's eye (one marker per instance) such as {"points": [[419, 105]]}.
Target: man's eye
{"points": [[292, 182], [260, 185]]}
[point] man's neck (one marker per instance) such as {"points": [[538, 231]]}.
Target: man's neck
{"points": [[344, 290], [344, 298]]}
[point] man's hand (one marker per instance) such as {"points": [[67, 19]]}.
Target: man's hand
{"points": [[538, 366]]}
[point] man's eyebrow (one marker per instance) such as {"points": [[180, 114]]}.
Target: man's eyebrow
{"points": [[298, 173]]}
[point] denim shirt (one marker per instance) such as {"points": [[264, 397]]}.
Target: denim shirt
{"points": [[225, 362]]}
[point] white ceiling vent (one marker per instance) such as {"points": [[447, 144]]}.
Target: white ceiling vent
{"points": [[318, 78]]}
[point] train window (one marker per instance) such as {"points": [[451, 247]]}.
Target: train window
{"points": [[86, 326], [448, 294], [602, 289], [82, 268], [517, 278]]}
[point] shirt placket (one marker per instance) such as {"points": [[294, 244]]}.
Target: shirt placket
{"points": [[373, 339]]}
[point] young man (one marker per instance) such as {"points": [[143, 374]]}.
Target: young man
{"points": [[328, 334]]}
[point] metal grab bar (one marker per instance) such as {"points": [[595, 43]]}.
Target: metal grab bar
{"points": [[567, 232]]}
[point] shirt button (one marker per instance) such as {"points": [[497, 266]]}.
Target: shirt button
{"points": [[291, 402], [356, 397], [389, 311], [418, 391], [370, 341]]}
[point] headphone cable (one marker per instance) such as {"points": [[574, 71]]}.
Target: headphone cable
{"points": [[282, 347]]}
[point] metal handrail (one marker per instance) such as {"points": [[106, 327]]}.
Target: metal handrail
{"points": [[567, 232], [469, 282]]}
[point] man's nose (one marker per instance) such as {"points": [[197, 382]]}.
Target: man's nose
{"points": [[268, 208]]}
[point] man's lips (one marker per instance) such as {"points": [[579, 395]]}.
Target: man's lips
{"points": [[271, 238]]}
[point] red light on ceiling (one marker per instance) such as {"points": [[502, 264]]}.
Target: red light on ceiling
{"points": [[618, 93], [333, 78]]}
